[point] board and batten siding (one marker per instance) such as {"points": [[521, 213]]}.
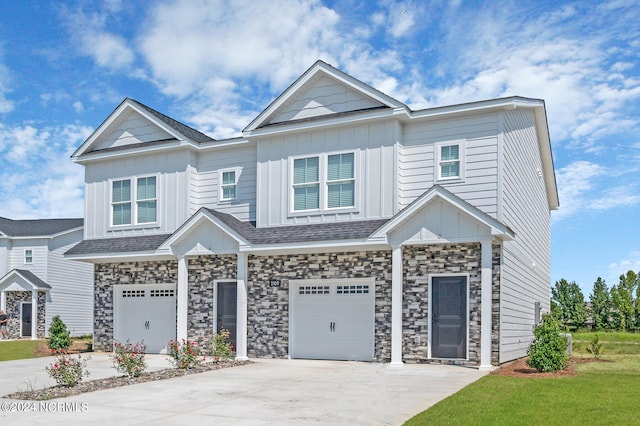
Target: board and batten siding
{"points": [[71, 286], [205, 185], [526, 259], [417, 159], [131, 129], [375, 173], [171, 169]]}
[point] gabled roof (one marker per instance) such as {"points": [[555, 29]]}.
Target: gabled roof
{"points": [[177, 130], [29, 277], [38, 227]]}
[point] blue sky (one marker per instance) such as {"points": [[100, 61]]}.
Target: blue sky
{"points": [[64, 67]]}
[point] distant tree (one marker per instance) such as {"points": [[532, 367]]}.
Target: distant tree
{"points": [[600, 309], [622, 301], [570, 301]]}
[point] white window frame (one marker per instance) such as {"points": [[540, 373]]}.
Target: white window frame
{"points": [[438, 161], [221, 186], [28, 256], [323, 170], [134, 202]]}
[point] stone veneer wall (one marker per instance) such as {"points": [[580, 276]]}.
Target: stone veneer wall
{"points": [[109, 274], [268, 307], [203, 271], [14, 299], [418, 263]]}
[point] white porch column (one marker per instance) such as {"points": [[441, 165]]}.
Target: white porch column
{"points": [[486, 306], [396, 306], [3, 301], [182, 298], [34, 314], [241, 308]]}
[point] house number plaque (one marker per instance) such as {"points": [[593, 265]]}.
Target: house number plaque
{"points": [[274, 283]]}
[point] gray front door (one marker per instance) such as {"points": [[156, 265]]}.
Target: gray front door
{"points": [[226, 310], [25, 320], [449, 317]]}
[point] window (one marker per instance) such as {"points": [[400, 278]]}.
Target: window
{"points": [[28, 256], [144, 191], [306, 183], [340, 181], [450, 164], [228, 184]]}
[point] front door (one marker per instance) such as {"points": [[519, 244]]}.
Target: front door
{"points": [[25, 320], [449, 317], [226, 310]]}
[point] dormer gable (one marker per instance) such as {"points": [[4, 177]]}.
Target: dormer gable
{"points": [[322, 92], [133, 124]]}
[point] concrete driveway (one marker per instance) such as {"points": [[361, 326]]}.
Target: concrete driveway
{"points": [[268, 392]]}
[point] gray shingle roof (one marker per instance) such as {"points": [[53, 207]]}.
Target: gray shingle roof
{"points": [[33, 278], [37, 227], [118, 245]]}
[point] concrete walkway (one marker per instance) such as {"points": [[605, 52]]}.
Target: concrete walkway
{"points": [[268, 392]]}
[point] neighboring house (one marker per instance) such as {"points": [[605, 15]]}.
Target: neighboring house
{"points": [[38, 283], [340, 225]]}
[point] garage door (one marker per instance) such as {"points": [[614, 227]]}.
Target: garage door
{"points": [[332, 319], [145, 313]]}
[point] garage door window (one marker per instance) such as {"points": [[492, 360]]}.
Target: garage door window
{"points": [[314, 289], [352, 289], [132, 293], [162, 293]]}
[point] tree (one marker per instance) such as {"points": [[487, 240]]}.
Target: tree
{"points": [[59, 338], [548, 351], [570, 301], [600, 310], [623, 304]]}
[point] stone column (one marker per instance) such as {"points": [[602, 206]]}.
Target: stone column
{"points": [[182, 298], [485, 307], [34, 314], [241, 308], [396, 306]]}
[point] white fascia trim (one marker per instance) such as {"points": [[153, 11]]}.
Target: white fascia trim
{"points": [[167, 146], [542, 129], [317, 246], [44, 237], [472, 107], [121, 256]]}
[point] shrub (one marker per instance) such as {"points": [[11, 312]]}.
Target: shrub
{"points": [[219, 347], [184, 354], [128, 358], [59, 337], [594, 347], [68, 371], [548, 351]]}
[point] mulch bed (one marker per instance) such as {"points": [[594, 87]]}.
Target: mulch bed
{"points": [[114, 382], [519, 368]]}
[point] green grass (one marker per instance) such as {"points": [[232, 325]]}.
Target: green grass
{"points": [[603, 393], [19, 349], [614, 343]]}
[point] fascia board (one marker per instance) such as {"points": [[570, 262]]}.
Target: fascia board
{"points": [[480, 106], [542, 129], [122, 256], [316, 246]]}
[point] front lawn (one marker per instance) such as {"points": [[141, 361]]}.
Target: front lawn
{"points": [[21, 349]]}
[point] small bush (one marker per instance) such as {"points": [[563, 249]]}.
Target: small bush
{"points": [[184, 354], [68, 371], [548, 351], [128, 358], [59, 337], [594, 347], [219, 347]]}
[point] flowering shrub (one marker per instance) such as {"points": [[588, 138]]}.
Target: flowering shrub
{"points": [[219, 347], [68, 371], [185, 354], [128, 358]]}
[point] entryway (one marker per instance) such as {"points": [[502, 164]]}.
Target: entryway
{"points": [[226, 309], [449, 317], [25, 319]]}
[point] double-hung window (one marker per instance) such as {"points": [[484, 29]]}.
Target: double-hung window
{"points": [[306, 183], [340, 180], [28, 256], [450, 163], [228, 184], [123, 208]]}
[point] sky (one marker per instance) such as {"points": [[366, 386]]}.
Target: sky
{"points": [[215, 65]]}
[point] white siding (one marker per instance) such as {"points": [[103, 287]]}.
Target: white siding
{"points": [[416, 165], [39, 248], [323, 96], [4, 256], [131, 129], [375, 171], [205, 184], [71, 287], [526, 260], [171, 168]]}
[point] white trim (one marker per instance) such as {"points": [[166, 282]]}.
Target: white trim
{"points": [[134, 202], [182, 299], [241, 307], [486, 296], [28, 257], [430, 310], [237, 171], [437, 169], [397, 269]]}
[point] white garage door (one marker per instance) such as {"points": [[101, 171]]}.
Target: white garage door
{"points": [[332, 319], [145, 313]]}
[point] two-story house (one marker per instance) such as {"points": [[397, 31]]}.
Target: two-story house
{"points": [[38, 283], [340, 225]]}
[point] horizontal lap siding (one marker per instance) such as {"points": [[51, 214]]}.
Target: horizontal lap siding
{"points": [[526, 260], [417, 166], [39, 252], [133, 129]]}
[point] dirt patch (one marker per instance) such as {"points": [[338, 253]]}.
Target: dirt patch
{"points": [[519, 368], [77, 346]]}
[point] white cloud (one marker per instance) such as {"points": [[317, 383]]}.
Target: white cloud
{"points": [[630, 262], [6, 105]]}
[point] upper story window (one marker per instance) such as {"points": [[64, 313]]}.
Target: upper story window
{"points": [[28, 256], [123, 209], [340, 180], [228, 184], [450, 161], [306, 183]]}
